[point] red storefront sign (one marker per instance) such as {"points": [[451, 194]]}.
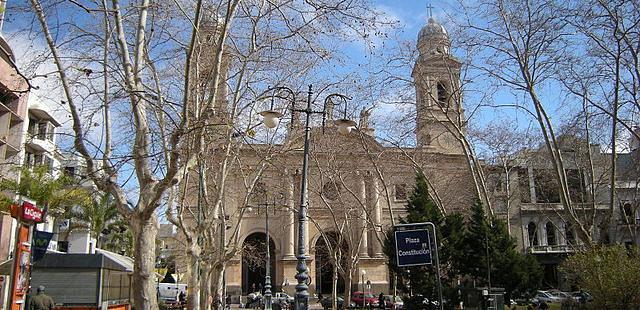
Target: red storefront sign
{"points": [[27, 211], [31, 213]]}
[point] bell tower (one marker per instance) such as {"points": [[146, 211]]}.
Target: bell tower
{"points": [[436, 76]]}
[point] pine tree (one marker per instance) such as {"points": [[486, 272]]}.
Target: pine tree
{"points": [[488, 247], [450, 235]]}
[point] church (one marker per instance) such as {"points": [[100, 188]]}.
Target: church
{"points": [[357, 187]]}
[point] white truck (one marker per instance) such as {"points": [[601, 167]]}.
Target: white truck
{"points": [[168, 292]]}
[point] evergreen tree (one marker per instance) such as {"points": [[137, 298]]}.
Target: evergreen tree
{"points": [[450, 235], [491, 252]]}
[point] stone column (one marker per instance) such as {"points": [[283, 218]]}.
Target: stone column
{"points": [[290, 219], [364, 244], [377, 217]]}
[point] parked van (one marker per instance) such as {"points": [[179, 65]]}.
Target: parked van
{"points": [[170, 291]]}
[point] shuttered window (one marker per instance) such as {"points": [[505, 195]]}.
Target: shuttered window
{"points": [[69, 287]]}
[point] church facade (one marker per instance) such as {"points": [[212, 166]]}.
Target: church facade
{"points": [[358, 187]]}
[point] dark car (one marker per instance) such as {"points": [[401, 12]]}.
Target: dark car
{"points": [[581, 296], [390, 303]]}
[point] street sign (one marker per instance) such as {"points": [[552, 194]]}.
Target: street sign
{"points": [[413, 247], [31, 213]]}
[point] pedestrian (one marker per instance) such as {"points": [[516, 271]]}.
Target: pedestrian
{"points": [[543, 305], [41, 301], [227, 301], [182, 299], [381, 303], [217, 302], [253, 288], [260, 288]]}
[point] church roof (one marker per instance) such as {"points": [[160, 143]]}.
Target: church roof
{"points": [[433, 39], [432, 28]]}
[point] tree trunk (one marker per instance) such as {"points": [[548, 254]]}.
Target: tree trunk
{"points": [[217, 281], [145, 231], [334, 288], [193, 283], [206, 297], [347, 289]]}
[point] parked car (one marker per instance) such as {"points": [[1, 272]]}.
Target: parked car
{"points": [[545, 296], [365, 298], [327, 302], [392, 304], [582, 296], [560, 295]]}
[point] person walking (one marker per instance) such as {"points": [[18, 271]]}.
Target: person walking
{"points": [[41, 301], [381, 303], [227, 302], [182, 299]]}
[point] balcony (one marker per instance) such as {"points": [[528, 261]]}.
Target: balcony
{"points": [[14, 119], [554, 249], [41, 113], [40, 143], [10, 150], [528, 206]]}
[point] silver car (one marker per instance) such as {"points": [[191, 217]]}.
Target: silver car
{"points": [[390, 303], [546, 297]]}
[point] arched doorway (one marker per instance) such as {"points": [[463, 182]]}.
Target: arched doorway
{"points": [[254, 255], [324, 263]]}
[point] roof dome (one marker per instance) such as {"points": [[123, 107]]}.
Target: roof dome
{"points": [[433, 38], [432, 28]]}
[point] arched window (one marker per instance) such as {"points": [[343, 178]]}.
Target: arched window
{"points": [[604, 233], [533, 234], [443, 93], [628, 213], [551, 234]]}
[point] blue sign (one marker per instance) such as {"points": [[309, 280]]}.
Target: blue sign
{"points": [[41, 241], [413, 247]]}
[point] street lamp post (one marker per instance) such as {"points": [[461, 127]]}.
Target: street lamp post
{"points": [[364, 299], [271, 119], [267, 277]]}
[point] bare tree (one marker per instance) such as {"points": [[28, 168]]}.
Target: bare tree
{"points": [[144, 75]]}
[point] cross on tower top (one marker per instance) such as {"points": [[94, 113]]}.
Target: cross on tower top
{"points": [[430, 9]]}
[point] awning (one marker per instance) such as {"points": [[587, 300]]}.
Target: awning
{"points": [[99, 260]]}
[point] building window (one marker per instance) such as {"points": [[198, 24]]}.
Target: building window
{"points": [[48, 162], [443, 94], [42, 130], [603, 234], [331, 190], [259, 194], [551, 234], [568, 234], [577, 190], [532, 231], [629, 214], [546, 186], [400, 192], [523, 186], [70, 171], [7, 98], [28, 159]]}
